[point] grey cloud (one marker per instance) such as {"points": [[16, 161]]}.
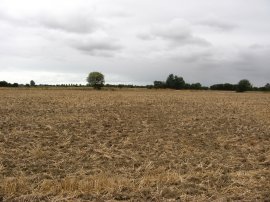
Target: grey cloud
{"points": [[257, 47], [145, 36], [197, 57], [218, 24], [186, 54], [11, 18], [247, 63], [79, 30], [254, 60], [105, 47], [178, 33], [74, 36], [78, 23], [119, 14]]}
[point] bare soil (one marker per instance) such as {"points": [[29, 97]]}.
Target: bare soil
{"points": [[134, 145]]}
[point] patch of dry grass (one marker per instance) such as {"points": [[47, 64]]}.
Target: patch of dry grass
{"points": [[73, 145]]}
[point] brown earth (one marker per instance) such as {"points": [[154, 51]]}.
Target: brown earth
{"points": [[137, 145]]}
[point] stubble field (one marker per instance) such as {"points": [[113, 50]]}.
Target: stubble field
{"points": [[137, 145]]}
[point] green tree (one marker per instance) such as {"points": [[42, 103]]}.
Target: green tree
{"points": [[267, 87], [170, 81], [175, 82], [244, 85], [96, 80], [159, 84], [32, 83], [196, 86], [179, 82]]}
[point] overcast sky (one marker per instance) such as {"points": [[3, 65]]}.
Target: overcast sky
{"points": [[135, 41]]}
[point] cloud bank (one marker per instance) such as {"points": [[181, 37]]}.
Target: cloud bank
{"points": [[134, 41]]}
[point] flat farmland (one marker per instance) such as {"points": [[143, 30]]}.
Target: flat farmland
{"points": [[134, 145]]}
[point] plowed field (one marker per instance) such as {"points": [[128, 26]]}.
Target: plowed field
{"points": [[137, 145]]}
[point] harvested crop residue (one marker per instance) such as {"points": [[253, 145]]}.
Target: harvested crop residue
{"points": [[85, 145]]}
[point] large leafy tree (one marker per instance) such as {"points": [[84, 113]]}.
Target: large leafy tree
{"points": [[32, 83], [96, 79], [175, 82], [244, 85], [159, 84], [267, 86]]}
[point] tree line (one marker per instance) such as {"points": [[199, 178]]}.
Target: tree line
{"points": [[243, 85], [97, 81], [6, 84], [177, 82]]}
